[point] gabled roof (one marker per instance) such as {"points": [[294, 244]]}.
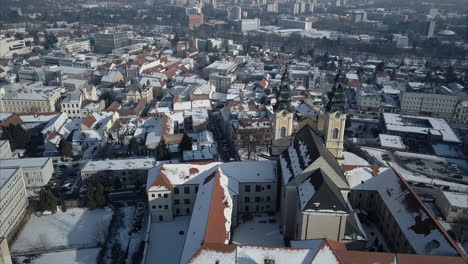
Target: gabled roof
{"points": [[161, 182], [321, 194], [306, 148], [89, 121]]}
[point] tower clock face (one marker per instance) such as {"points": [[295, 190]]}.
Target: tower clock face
{"points": [[284, 113]]}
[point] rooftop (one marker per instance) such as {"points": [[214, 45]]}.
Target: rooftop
{"points": [[119, 164]]}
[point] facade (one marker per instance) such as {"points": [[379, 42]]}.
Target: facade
{"points": [[461, 113], [13, 201], [368, 99], [36, 171], [222, 67], [222, 82], [128, 172], [453, 206], [71, 105], [78, 46], [314, 193], [5, 257], [107, 41], [437, 105], [335, 127], [29, 99], [400, 41], [293, 23], [249, 24], [173, 189], [9, 45], [5, 150], [402, 219]]}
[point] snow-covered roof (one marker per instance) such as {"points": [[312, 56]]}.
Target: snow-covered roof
{"points": [[6, 174], [404, 123], [419, 227], [456, 199], [391, 141], [119, 164], [25, 162]]}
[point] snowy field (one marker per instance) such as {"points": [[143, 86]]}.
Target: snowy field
{"points": [[261, 231], [83, 256], [166, 243], [77, 227]]}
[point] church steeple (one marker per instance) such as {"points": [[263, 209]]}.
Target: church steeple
{"points": [[337, 98], [284, 98]]}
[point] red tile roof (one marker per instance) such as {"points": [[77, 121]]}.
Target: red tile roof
{"points": [[216, 226], [89, 121], [12, 120], [162, 181]]}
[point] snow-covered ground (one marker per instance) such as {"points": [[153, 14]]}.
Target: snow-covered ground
{"points": [[77, 227], [376, 241], [83, 256], [353, 159], [262, 230], [167, 240]]}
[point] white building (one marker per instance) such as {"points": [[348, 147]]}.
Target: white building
{"points": [[5, 150], [400, 41], [222, 82], [36, 171], [20, 98], [368, 99], [453, 206], [71, 105], [13, 201], [221, 67], [438, 105]]}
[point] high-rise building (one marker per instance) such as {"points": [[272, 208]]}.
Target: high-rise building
{"points": [[107, 41], [194, 17], [430, 26], [235, 13]]}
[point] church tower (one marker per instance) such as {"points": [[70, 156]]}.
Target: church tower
{"points": [[282, 119], [336, 118]]}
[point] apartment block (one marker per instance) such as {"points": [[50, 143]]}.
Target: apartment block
{"points": [[13, 201], [37, 171]]}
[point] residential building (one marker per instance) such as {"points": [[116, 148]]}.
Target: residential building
{"points": [[245, 25], [77, 46], [430, 104], [36, 171], [8, 46], [175, 189], [296, 23], [19, 98], [107, 41], [400, 41], [453, 206], [13, 202], [71, 104], [5, 150], [129, 172], [5, 257], [222, 67], [404, 222], [222, 82], [368, 99], [461, 113], [419, 129]]}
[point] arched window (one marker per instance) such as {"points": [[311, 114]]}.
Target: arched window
{"points": [[283, 132], [335, 133]]}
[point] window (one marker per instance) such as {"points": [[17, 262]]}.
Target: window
{"points": [[283, 132], [176, 201], [159, 195], [186, 201], [258, 188], [187, 210], [166, 206], [247, 188], [247, 199], [268, 186], [165, 195], [160, 218], [176, 190], [159, 206], [154, 206], [186, 190], [257, 199], [247, 208], [454, 209], [268, 198], [335, 133], [196, 189], [177, 211], [152, 195]]}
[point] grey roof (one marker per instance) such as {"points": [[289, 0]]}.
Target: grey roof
{"points": [[315, 149], [327, 196]]}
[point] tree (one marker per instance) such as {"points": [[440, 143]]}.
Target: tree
{"points": [[90, 199], [185, 143], [66, 148], [133, 146], [162, 152], [18, 137], [47, 201], [100, 196]]}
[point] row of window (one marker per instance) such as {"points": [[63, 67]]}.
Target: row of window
{"points": [[258, 188], [257, 199], [186, 190]]}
